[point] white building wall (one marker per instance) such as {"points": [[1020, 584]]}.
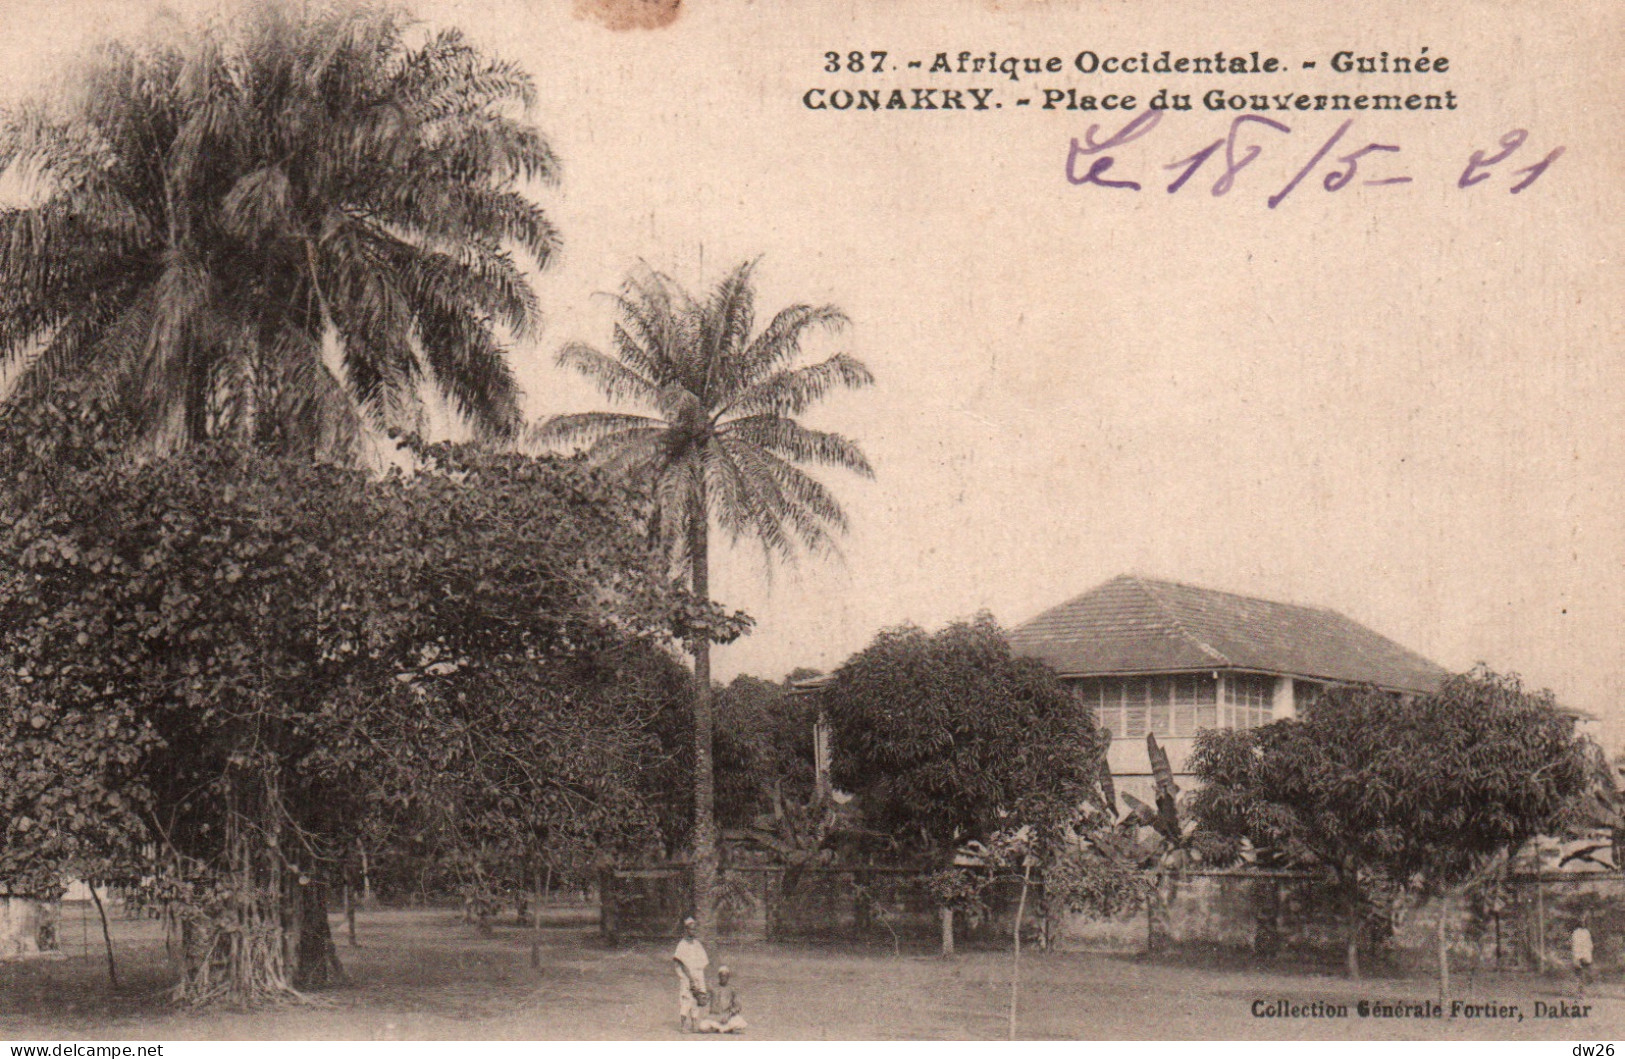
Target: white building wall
{"points": [[1285, 705]]}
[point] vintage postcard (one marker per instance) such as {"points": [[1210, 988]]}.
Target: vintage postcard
{"points": [[987, 519]]}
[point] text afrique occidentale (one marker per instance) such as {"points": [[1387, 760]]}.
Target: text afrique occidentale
{"points": [[865, 92], [1092, 62]]}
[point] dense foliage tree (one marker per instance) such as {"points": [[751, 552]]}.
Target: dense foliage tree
{"points": [[1396, 794], [503, 772], [945, 736], [763, 745], [947, 739], [1597, 818], [244, 659], [724, 445], [73, 801], [208, 211]]}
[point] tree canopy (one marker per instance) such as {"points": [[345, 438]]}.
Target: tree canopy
{"points": [[208, 213], [724, 440], [947, 737], [244, 660], [1412, 794], [763, 744]]}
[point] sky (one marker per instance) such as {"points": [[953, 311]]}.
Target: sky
{"points": [[1400, 401]]}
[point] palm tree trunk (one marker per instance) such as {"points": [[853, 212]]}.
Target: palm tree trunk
{"points": [[1442, 941], [705, 825], [195, 415], [1355, 920]]}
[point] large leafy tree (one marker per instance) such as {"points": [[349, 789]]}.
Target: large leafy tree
{"points": [[276, 230], [948, 739], [1394, 795], [722, 445], [244, 661]]}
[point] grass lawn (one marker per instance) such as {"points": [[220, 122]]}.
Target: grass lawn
{"points": [[427, 974]]}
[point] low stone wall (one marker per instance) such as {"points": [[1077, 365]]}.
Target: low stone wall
{"points": [[773, 903], [1299, 916], [1291, 915]]}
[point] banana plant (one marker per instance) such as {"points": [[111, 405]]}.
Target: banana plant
{"points": [[801, 835], [1599, 820]]}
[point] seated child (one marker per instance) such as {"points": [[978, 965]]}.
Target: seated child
{"points": [[725, 1014]]}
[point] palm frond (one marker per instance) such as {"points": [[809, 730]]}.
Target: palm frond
{"points": [[447, 75], [634, 456], [166, 370], [792, 391], [612, 377], [650, 333], [258, 204], [470, 368], [442, 213], [809, 508], [746, 504], [786, 438], [678, 490], [374, 327], [311, 412], [726, 438], [780, 342], [589, 428], [52, 265], [725, 325], [210, 202]]}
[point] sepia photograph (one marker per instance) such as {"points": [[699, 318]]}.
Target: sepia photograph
{"points": [[665, 520]]}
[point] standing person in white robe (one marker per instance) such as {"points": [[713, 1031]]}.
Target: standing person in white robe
{"points": [[691, 961]]}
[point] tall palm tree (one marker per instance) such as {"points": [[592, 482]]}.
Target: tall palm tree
{"points": [[278, 230], [722, 445]]}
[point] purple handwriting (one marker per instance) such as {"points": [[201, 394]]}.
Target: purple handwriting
{"points": [[1374, 164]]}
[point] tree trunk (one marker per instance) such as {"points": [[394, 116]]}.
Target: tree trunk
{"points": [[1540, 922], [293, 928], [945, 916], [705, 825], [317, 965], [1354, 937], [1444, 953], [196, 415], [536, 927], [107, 937], [366, 878], [1015, 960], [237, 954]]}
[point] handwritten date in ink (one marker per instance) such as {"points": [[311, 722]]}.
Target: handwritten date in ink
{"points": [[1339, 160]]}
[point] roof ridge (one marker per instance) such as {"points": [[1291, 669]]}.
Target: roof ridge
{"points": [[1207, 590], [1179, 626]]}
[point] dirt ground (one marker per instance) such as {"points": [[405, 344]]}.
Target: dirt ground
{"points": [[429, 975]]}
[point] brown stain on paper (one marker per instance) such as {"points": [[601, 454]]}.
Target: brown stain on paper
{"points": [[630, 14]]}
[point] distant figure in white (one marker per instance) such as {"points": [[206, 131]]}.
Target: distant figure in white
{"points": [[726, 1014], [691, 962], [1580, 948]]}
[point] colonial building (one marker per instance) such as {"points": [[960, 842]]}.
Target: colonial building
{"points": [[1160, 657]]}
